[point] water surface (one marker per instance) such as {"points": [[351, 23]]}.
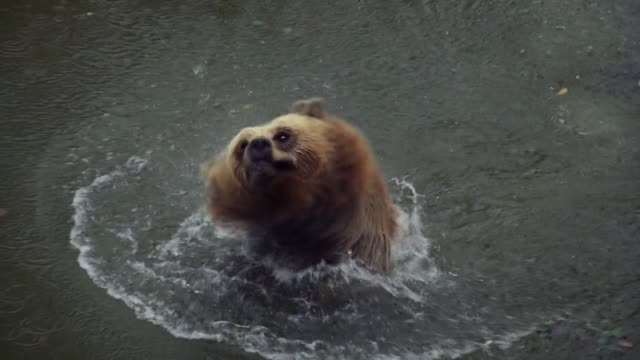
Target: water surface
{"points": [[521, 206]]}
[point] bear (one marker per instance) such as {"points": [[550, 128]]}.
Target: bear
{"points": [[307, 188]]}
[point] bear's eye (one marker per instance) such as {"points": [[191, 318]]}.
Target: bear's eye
{"points": [[281, 136], [243, 145]]}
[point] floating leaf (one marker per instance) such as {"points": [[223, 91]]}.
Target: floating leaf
{"points": [[247, 106], [563, 91], [625, 343], [3, 212]]}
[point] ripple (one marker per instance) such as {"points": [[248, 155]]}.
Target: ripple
{"points": [[13, 48]]}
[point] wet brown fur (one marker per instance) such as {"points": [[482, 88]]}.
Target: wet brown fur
{"points": [[333, 203]]}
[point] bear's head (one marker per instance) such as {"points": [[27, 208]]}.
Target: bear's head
{"points": [[292, 145]]}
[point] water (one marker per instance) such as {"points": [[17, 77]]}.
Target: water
{"points": [[521, 208]]}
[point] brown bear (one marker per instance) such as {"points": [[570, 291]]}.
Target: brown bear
{"points": [[308, 188]]}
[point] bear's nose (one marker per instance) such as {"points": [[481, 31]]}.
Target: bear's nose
{"points": [[260, 149]]}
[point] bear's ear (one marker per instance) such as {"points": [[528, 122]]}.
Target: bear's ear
{"points": [[313, 107]]}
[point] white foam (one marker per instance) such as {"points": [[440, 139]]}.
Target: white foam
{"points": [[127, 235], [455, 351], [190, 227], [81, 205]]}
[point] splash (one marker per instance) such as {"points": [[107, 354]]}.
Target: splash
{"points": [[195, 281]]}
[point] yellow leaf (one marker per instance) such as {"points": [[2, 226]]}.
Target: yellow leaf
{"points": [[625, 343], [248, 106], [563, 91]]}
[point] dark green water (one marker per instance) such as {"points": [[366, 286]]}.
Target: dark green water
{"points": [[526, 238]]}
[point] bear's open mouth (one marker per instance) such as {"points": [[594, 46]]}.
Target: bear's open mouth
{"points": [[283, 165], [270, 167]]}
